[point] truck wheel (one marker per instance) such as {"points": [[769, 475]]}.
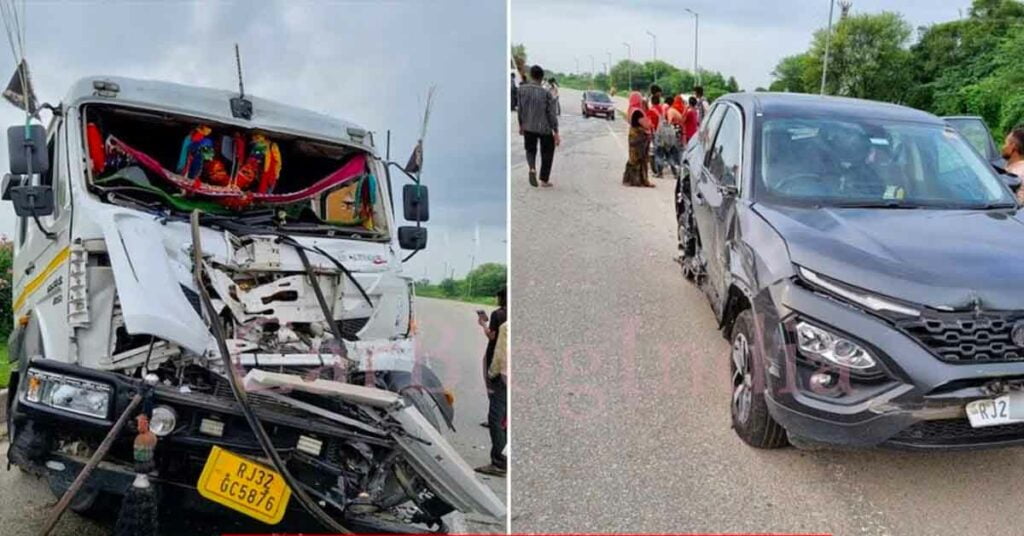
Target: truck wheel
{"points": [[750, 417]]}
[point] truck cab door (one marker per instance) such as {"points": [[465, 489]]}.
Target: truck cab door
{"points": [[40, 267]]}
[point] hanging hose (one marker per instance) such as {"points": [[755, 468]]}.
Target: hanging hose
{"points": [[240, 395]]}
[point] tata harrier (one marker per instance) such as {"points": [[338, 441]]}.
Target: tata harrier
{"points": [[866, 265]]}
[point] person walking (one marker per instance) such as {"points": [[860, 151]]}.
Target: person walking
{"points": [[691, 120], [497, 388], [702, 103], [635, 173], [538, 124], [553, 89]]}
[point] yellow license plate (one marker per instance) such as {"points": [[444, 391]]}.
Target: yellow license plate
{"points": [[244, 485]]}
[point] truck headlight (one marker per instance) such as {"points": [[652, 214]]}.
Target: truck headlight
{"points": [[832, 347], [69, 394]]}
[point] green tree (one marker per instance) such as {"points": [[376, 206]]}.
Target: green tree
{"points": [[486, 279], [789, 74], [868, 57], [6, 314], [449, 287], [519, 59]]}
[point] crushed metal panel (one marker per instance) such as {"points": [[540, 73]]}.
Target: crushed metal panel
{"points": [[357, 394], [437, 461], [149, 292]]}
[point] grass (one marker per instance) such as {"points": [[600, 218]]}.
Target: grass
{"points": [[434, 292], [5, 367]]}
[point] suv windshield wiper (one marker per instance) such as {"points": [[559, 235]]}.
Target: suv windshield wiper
{"points": [[884, 203]]}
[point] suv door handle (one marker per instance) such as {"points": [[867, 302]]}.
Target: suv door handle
{"points": [[699, 197], [30, 268]]}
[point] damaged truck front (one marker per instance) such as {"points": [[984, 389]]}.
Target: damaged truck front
{"points": [[239, 265]]}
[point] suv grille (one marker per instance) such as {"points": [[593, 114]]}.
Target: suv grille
{"points": [[952, 432], [974, 337]]}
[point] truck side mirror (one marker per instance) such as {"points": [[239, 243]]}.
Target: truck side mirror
{"points": [[413, 238], [20, 149], [32, 201], [416, 202]]}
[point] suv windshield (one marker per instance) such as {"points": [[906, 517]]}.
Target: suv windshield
{"points": [[865, 162], [598, 97], [977, 134]]}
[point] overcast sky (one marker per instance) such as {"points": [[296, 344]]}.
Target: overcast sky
{"points": [[744, 39], [366, 61]]}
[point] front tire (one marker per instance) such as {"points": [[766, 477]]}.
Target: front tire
{"points": [[751, 419]]}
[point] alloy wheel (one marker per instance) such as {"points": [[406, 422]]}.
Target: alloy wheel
{"points": [[742, 378]]}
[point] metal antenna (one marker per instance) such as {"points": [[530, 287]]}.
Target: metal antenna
{"points": [[238, 64]]}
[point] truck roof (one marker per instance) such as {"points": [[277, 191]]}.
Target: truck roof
{"points": [[215, 105]]}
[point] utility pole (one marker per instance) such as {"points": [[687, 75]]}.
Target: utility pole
{"points": [[828, 42], [655, 39], [609, 70], [577, 58], [629, 64], [591, 71], [696, 33]]}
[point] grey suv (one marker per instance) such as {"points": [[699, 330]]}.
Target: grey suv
{"points": [[866, 265]]}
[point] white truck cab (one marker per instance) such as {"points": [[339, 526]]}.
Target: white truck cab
{"points": [[298, 246]]}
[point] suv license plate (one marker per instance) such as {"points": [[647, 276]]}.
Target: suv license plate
{"points": [[994, 411], [244, 486]]}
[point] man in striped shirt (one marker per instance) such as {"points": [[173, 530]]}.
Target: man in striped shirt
{"points": [[538, 123]]}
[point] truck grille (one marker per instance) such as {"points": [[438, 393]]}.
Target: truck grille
{"points": [[971, 338], [953, 432]]}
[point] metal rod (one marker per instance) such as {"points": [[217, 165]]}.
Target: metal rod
{"points": [[629, 64], [95, 460]]}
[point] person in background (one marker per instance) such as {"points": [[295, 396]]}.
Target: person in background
{"points": [[676, 114], [639, 144], [538, 123], [654, 111], [1013, 151], [496, 389], [553, 89], [691, 120], [515, 94], [702, 108]]}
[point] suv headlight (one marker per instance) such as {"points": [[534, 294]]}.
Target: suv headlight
{"points": [[66, 393], [832, 347]]}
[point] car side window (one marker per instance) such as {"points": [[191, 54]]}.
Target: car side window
{"points": [[707, 129], [725, 154]]}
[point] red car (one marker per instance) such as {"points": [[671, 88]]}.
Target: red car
{"points": [[597, 103]]}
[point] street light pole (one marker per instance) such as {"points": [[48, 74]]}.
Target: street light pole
{"points": [[577, 58], [696, 33], [629, 64], [655, 39], [828, 42], [591, 71]]}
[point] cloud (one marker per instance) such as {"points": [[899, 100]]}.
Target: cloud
{"points": [[366, 62]]}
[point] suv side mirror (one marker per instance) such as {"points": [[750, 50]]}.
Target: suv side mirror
{"points": [[416, 202], [19, 149], [1012, 181], [32, 201], [413, 238]]}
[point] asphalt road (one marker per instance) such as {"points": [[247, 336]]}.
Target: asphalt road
{"points": [[620, 389], [448, 334]]}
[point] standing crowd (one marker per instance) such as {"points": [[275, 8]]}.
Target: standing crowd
{"points": [[664, 125]]}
